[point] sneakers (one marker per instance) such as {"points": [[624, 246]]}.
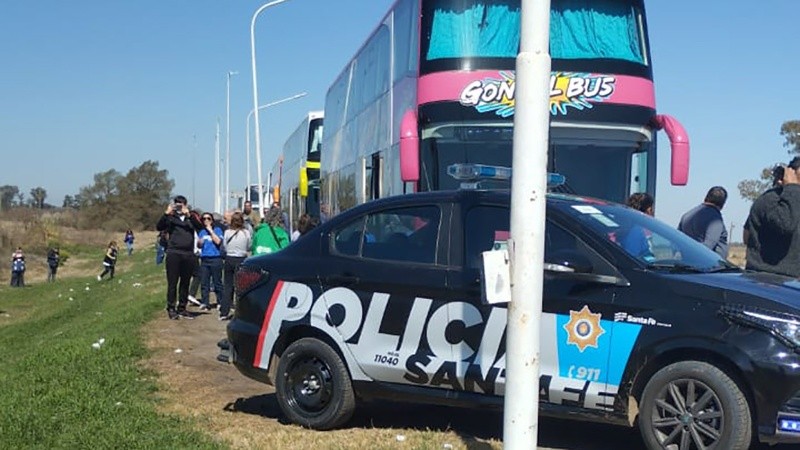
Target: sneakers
{"points": [[193, 300], [173, 315], [225, 317], [99, 278], [204, 307], [185, 314]]}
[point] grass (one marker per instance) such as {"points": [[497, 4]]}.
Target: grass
{"points": [[59, 391]]}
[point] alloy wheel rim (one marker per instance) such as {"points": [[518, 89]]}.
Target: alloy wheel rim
{"points": [[687, 414]]}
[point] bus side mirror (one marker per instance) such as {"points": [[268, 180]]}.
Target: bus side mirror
{"points": [[679, 144], [409, 147], [303, 182]]}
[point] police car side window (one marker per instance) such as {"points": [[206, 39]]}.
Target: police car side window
{"points": [[347, 240], [405, 234], [560, 245], [486, 228]]}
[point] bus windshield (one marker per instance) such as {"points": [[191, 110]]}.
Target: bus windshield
{"points": [[602, 168], [314, 139], [579, 29]]}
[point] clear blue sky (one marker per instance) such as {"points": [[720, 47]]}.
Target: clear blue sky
{"points": [[92, 85]]}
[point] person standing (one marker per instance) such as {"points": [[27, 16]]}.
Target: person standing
{"points": [[18, 268], [636, 240], [772, 232], [53, 257], [161, 246], [704, 223], [270, 237], [180, 223], [251, 218], [209, 240], [237, 241], [129, 241], [109, 261]]}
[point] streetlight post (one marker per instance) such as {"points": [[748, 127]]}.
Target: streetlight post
{"points": [[228, 139], [249, 115], [255, 92]]}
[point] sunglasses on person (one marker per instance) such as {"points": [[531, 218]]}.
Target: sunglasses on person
{"points": [[208, 218]]}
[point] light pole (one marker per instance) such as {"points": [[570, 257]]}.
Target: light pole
{"points": [[255, 92], [249, 115], [228, 139]]}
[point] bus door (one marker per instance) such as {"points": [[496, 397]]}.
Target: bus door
{"points": [[373, 180]]}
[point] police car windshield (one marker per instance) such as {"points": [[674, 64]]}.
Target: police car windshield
{"points": [[648, 240]]}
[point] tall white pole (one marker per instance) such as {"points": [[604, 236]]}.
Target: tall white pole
{"points": [[216, 170], [526, 245], [255, 94], [249, 115], [194, 169], [228, 139]]}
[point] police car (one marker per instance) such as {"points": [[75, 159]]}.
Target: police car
{"points": [[641, 326]]}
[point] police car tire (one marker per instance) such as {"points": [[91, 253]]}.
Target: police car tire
{"points": [[342, 402], [737, 422]]}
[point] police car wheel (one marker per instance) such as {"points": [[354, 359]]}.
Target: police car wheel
{"points": [[313, 385], [693, 404]]}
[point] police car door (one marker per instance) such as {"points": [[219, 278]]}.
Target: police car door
{"points": [[384, 290], [578, 345]]}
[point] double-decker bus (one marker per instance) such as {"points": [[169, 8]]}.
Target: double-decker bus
{"points": [[297, 173], [434, 86]]}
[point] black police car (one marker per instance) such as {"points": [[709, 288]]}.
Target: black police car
{"points": [[641, 324]]}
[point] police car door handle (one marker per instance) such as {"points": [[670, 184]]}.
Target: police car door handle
{"points": [[343, 280]]}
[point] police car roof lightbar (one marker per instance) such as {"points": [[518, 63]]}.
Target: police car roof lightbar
{"points": [[470, 174]]}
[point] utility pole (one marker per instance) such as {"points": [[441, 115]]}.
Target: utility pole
{"points": [[216, 170], [526, 244], [228, 140], [194, 168]]}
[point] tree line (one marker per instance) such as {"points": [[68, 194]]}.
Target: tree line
{"points": [[113, 201], [752, 189]]}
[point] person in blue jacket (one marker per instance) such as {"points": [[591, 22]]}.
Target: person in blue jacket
{"points": [[209, 240]]}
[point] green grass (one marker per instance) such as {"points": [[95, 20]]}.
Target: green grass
{"points": [[57, 391]]}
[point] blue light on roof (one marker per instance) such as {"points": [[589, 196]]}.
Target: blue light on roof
{"points": [[477, 172]]}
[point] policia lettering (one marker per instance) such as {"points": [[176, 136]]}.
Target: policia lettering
{"points": [[415, 343]]}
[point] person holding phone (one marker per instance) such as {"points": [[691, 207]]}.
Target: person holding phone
{"points": [[181, 224], [772, 230]]}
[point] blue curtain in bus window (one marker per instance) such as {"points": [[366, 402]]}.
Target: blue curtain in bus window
{"points": [[594, 29], [484, 29]]}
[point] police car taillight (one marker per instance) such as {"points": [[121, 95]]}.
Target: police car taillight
{"points": [[248, 277], [471, 175]]}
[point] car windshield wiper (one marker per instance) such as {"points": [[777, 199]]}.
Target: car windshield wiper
{"points": [[726, 268], [675, 267]]}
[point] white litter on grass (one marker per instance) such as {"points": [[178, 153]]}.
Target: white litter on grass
{"points": [[71, 290], [118, 404], [96, 346], [137, 284], [87, 288], [177, 350], [71, 299], [119, 282], [101, 341], [400, 438], [59, 295], [6, 315], [447, 446], [98, 313]]}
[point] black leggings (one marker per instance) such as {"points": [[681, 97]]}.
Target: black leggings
{"points": [[109, 270], [231, 266], [180, 267]]}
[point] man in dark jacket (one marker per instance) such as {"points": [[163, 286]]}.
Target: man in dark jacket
{"points": [[704, 223], [773, 227], [181, 224]]}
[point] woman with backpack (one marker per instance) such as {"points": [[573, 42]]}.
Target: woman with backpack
{"points": [[271, 237], [53, 257]]}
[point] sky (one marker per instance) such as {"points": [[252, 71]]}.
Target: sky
{"points": [[92, 85]]}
